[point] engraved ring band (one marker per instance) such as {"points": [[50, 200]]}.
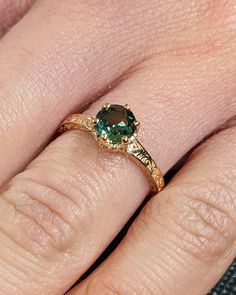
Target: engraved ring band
{"points": [[115, 128]]}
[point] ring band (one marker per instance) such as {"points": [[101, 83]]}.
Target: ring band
{"points": [[115, 128]]}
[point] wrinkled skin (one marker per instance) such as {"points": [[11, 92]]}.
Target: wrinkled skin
{"points": [[64, 200]]}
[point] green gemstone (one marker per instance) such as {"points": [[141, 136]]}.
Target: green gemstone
{"points": [[116, 122]]}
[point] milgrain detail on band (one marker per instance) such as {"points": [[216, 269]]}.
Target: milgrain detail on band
{"points": [[142, 157], [75, 121]]}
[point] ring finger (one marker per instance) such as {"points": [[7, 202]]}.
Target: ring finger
{"points": [[67, 206]]}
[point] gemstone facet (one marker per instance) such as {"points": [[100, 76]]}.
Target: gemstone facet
{"points": [[115, 122]]}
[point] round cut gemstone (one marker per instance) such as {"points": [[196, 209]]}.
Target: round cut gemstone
{"points": [[116, 122]]}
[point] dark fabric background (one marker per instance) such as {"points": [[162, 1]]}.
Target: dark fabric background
{"points": [[227, 285]]}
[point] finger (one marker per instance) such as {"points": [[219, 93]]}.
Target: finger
{"points": [[11, 11], [92, 188], [64, 54], [61, 56], [184, 239], [74, 198], [54, 215], [59, 275]]}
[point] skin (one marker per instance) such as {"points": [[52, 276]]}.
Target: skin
{"points": [[64, 200], [12, 11]]}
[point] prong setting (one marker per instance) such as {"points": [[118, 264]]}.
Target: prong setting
{"points": [[137, 124], [94, 119], [115, 127], [125, 139], [104, 136], [106, 106], [127, 107]]}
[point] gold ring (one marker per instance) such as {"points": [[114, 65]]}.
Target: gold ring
{"points": [[115, 128]]}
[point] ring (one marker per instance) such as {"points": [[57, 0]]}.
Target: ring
{"points": [[115, 128]]}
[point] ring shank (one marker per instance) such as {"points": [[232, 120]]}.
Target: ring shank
{"points": [[134, 150], [77, 121], [145, 161]]}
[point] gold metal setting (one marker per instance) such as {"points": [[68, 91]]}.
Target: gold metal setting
{"points": [[131, 147]]}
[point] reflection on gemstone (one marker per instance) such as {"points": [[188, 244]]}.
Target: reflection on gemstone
{"points": [[116, 122]]}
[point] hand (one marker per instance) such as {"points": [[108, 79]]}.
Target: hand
{"points": [[174, 62]]}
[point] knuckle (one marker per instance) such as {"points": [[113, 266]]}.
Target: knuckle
{"points": [[202, 217], [207, 218], [57, 199], [45, 208]]}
